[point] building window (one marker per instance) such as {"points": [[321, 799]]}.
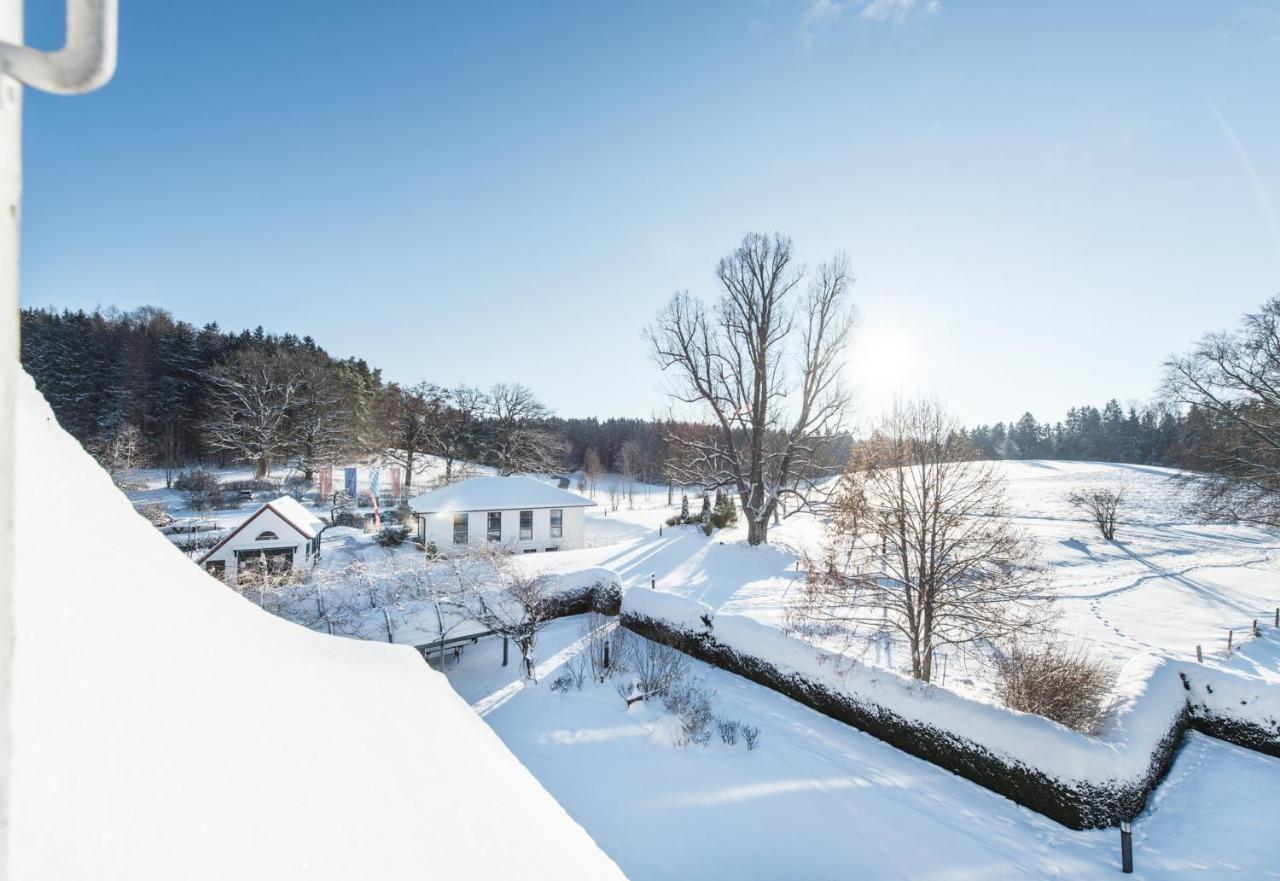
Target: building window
{"points": [[495, 526], [459, 529], [529, 551], [557, 523], [526, 525], [267, 536]]}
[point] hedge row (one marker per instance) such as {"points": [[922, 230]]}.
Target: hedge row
{"points": [[1076, 804]]}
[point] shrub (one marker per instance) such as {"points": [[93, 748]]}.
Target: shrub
{"points": [[672, 521], [297, 487], [572, 675], [392, 536], [156, 513], [708, 528], [602, 642], [750, 736], [728, 730], [690, 702], [201, 489], [654, 669], [1059, 681], [348, 518]]}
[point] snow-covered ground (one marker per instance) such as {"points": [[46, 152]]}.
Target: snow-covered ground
{"points": [[1166, 584], [163, 727], [819, 799]]}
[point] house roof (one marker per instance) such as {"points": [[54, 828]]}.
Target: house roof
{"points": [[496, 494], [288, 509]]}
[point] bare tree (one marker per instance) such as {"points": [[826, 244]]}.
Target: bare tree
{"points": [[630, 458], [1231, 382], [519, 437], [488, 587], [1102, 504], [459, 422], [410, 418], [121, 453], [592, 468], [614, 490], [319, 426], [764, 363], [920, 547], [251, 398]]}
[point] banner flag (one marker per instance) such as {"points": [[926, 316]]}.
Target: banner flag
{"points": [[325, 485], [395, 483], [351, 482], [374, 475]]}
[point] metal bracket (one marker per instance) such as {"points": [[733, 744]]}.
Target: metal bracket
{"points": [[85, 62]]}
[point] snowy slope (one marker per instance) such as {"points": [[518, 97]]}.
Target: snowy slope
{"points": [[164, 727]]}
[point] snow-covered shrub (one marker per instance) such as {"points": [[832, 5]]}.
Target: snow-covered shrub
{"points": [[201, 488], [1057, 680], [156, 513], [652, 670], [708, 528], [750, 736], [348, 518], [392, 536], [297, 487], [572, 676], [606, 648], [728, 730], [690, 702]]}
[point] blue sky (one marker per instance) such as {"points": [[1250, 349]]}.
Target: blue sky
{"points": [[1040, 203]]}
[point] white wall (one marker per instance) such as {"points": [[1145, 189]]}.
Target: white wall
{"points": [[438, 528], [268, 520]]}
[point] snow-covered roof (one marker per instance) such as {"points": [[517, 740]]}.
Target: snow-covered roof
{"points": [[156, 715], [299, 517], [496, 494]]}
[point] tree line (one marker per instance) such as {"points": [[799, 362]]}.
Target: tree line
{"points": [[1149, 434]]}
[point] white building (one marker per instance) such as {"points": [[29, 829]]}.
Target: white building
{"points": [[281, 534], [522, 513]]}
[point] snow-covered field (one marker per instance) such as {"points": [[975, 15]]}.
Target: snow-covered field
{"points": [[1166, 584], [818, 799]]}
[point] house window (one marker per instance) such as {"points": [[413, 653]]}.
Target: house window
{"points": [[557, 523], [495, 526], [526, 525], [459, 529], [529, 551], [267, 536]]}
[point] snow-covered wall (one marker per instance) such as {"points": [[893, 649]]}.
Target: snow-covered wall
{"points": [[164, 727]]}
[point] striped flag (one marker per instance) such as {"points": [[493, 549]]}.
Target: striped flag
{"points": [[395, 483], [325, 480], [373, 496]]}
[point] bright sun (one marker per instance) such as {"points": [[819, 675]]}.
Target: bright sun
{"points": [[883, 358]]}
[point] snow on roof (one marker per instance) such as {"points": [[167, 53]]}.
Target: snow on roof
{"points": [[299, 517], [157, 716], [496, 494]]}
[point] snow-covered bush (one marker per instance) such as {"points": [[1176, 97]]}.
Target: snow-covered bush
{"points": [[751, 736], [1057, 680], [690, 702], [654, 668], [392, 536], [728, 730], [606, 647], [156, 513], [201, 489], [573, 675]]}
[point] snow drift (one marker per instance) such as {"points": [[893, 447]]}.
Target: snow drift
{"points": [[163, 727]]}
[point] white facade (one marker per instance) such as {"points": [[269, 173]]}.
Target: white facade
{"points": [[519, 513], [281, 533]]}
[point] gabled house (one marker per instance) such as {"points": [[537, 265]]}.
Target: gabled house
{"points": [[521, 513], [279, 536]]}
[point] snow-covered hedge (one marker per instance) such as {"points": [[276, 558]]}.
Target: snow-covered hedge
{"points": [[596, 589], [1239, 709], [1080, 781]]}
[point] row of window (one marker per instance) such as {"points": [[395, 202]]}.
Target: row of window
{"points": [[493, 531]]}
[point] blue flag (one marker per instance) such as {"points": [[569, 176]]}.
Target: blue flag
{"points": [[351, 482]]}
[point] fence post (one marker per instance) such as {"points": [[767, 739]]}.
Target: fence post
{"points": [[1278, 616], [1230, 633], [606, 653], [653, 581], [1256, 631], [504, 651], [659, 530], [1199, 655], [1126, 847]]}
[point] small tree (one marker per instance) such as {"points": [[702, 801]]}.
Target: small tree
{"points": [[1102, 505], [614, 490], [121, 453], [920, 546], [592, 468], [487, 587]]}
